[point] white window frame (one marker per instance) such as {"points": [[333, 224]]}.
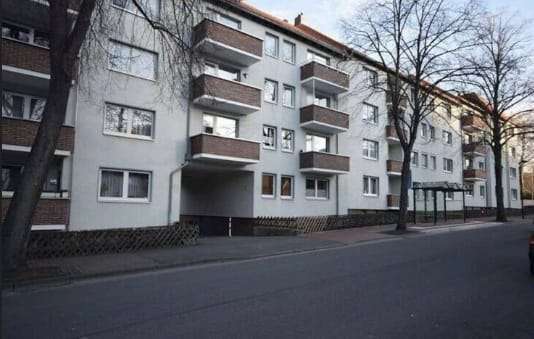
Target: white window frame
{"points": [[414, 155], [292, 179], [129, 72], [217, 67], [268, 196], [368, 72], [217, 15], [317, 135], [128, 134], [215, 124], [294, 52], [514, 198], [277, 40], [369, 179], [292, 132], [273, 147], [434, 162], [481, 188], [445, 135], [447, 196], [125, 177], [316, 190], [293, 94], [374, 112], [368, 149], [424, 164], [31, 35], [26, 101], [312, 55], [446, 160], [432, 132], [424, 130], [472, 190], [513, 173], [275, 91]]}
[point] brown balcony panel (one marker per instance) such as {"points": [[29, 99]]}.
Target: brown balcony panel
{"points": [[472, 122], [25, 56], [474, 174], [475, 148], [47, 212], [323, 119], [393, 201], [391, 134], [226, 43], [20, 132], [324, 163], [327, 79], [228, 96], [224, 150], [394, 167]]}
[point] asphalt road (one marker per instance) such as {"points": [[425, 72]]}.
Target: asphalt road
{"points": [[468, 284]]}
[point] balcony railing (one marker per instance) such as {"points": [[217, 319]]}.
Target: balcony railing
{"points": [[223, 42], [323, 119], [394, 167], [474, 174], [25, 56], [475, 148], [391, 134], [472, 122], [49, 211], [231, 151], [393, 201], [226, 95], [324, 163], [315, 75], [20, 132]]}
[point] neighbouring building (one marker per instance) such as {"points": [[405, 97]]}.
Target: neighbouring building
{"points": [[276, 127]]}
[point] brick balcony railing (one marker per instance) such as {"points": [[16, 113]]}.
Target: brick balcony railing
{"points": [[324, 115], [47, 212], [25, 56], [474, 174], [472, 121], [324, 162], [394, 166], [314, 69], [207, 145], [22, 133], [475, 147], [391, 132]]}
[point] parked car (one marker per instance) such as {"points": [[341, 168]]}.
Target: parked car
{"points": [[531, 252]]}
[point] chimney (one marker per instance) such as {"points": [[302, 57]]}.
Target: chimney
{"points": [[299, 20]]}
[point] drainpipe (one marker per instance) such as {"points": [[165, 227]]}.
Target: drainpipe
{"points": [[337, 178]]}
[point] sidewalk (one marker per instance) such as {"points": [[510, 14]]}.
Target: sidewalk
{"points": [[209, 250]]}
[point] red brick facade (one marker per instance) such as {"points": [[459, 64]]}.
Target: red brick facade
{"points": [[324, 161], [394, 166], [228, 147], [324, 115], [227, 90], [25, 56], [475, 147], [47, 212], [22, 133], [318, 70]]}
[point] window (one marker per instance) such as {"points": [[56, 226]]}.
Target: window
{"points": [[514, 194], [267, 185], [313, 56], [448, 111], [126, 121], [371, 77], [221, 126], [222, 71], [482, 189], [224, 19], [482, 165], [12, 173], [370, 185], [513, 152], [433, 162], [133, 60], [288, 99], [432, 130], [25, 34], [370, 149], [269, 137], [468, 163], [324, 100], [286, 187], [124, 185], [469, 190], [317, 188], [447, 137], [449, 196], [288, 52], [22, 106], [424, 130], [447, 165], [271, 45], [270, 91], [317, 143], [424, 160], [288, 140], [513, 173], [370, 114], [414, 159]]}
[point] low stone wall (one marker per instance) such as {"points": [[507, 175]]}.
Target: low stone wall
{"points": [[51, 244]]}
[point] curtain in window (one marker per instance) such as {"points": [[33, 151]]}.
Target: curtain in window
{"points": [[138, 185], [111, 184]]}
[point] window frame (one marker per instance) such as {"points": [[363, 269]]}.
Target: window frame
{"points": [[317, 135], [26, 102], [445, 136], [315, 56], [277, 45], [269, 196], [374, 112], [446, 160], [217, 18], [424, 130], [31, 35], [136, 13], [129, 72], [292, 181], [433, 162], [481, 188], [293, 50], [275, 136], [292, 132], [316, 189], [130, 120], [424, 160], [218, 116], [515, 196], [414, 156], [276, 94], [371, 84], [293, 95], [125, 183], [368, 153], [513, 173], [469, 193], [217, 66], [369, 179]]}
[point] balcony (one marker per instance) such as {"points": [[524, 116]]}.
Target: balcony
{"points": [[25, 56], [394, 167], [475, 148], [50, 213], [324, 163], [226, 43], [323, 119], [393, 201], [472, 123], [226, 95], [18, 132], [391, 135], [230, 151], [319, 77], [474, 175]]}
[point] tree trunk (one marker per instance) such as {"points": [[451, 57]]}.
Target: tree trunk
{"points": [[499, 193], [405, 186]]}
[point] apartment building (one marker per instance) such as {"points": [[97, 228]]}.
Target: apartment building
{"points": [[277, 127]]}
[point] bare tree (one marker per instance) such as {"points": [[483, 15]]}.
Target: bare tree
{"points": [[76, 39], [416, 42], [502, 85]]}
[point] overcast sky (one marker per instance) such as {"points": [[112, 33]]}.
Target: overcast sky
{"points": [[324, 15]]}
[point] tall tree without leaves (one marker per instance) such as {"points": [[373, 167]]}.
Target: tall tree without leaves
{"points": [[77, 40], [502, 84], [417, 43]]}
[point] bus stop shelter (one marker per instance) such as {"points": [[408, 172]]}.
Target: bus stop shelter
{"points": [[434, 188]]}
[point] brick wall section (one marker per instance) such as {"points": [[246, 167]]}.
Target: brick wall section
{"points": [[474, 147], [324, 115], [474, 174], [225, 89], [472, 121], [391, 132], [21, 55], [315, 69], [212, 144], [22, 133], [324, 161], [209, 29], [47, 212], [393, 200], [394, 166]]}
